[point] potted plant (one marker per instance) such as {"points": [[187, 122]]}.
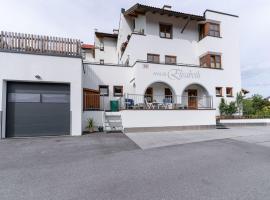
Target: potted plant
{"points": [[90, 125], [100, 128]]}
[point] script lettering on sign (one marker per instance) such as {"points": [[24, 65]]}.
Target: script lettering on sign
{"points": [[179, 74]]}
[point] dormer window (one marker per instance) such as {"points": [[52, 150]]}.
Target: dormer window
{"points": [[165, 31]]}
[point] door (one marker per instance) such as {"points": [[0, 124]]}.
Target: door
{"points": [[149, 94], [91, 99], [168, 95], [192, 99], [37, 109]]}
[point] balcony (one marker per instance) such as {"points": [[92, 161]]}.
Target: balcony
{"points": [[39, 44], [148, 102]]}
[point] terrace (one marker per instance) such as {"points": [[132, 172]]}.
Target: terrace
{"points": [[39, 44]]}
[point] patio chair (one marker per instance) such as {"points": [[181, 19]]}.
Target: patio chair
{"points": [[148, 105], [129, 103], [167, 103]]}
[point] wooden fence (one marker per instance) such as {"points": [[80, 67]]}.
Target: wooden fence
{"points": [[38, 44]]}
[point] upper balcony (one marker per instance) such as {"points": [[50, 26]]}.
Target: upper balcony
{"points": [[39, 44]]}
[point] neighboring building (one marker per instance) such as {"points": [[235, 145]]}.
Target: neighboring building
{"points": [[176, 64], [268, 98], [40, 85]]}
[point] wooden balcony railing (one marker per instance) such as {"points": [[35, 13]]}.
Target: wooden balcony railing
{"points": [[39, 44]]}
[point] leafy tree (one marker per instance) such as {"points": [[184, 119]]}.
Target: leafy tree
{"points": [[265, 112], [231, 109], [227, 109], [258, 103], [222, 107], [248, 107]]}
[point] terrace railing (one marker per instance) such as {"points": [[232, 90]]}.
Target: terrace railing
{"points": [[39, 44], [148, 102]]}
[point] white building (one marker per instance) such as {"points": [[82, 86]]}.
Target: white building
{"points": [[166, 69], [160, 70], [40, 86]]}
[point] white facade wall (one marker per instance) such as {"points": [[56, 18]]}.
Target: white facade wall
{"points": [[109, 54], [169, 118], [185, 46], [97, 116], [51, 69]]}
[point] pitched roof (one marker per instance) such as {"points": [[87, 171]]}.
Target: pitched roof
{"points": [[142, 9], [87, 46], [101, 34]]}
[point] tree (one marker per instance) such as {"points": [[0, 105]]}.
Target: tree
{"points": [[258, 102], [227, 109], [231, 109], [248, 107], [222, 107]]}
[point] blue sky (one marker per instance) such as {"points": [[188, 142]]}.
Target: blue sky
{"points": [[78, 19]]}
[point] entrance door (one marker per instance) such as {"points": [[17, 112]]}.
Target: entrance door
{"points": [[149, 94], [192, 99]]}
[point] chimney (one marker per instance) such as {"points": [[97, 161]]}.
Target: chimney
{"points": [[115, 31], [167, 7]]}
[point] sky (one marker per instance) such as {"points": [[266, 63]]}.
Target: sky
{"points": [[78, 19]]}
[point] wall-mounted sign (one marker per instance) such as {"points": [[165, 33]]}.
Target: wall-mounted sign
{"points": [[179, 74]]}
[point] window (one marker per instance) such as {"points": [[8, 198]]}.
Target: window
{"points": [[101, 61], [211, 61], [23, 98], [215, 61], [165, 31], [153, 58], [219, 91], [104, 90], [171, 60], [55, 98], [214, 30], [229, 92], [209, 29], [101, 46], [118, 91]]}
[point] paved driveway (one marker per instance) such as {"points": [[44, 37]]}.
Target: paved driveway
{"points": [[111, 166], [148, 140]]}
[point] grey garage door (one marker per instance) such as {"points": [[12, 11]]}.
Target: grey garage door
{"points": [[37, 109]]}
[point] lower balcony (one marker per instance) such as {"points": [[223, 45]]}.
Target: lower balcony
{"points": [[147, 102]]}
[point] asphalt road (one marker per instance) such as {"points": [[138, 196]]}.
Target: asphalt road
{"points": [[111, 166]]}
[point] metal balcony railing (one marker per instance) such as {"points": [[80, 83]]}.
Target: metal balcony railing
{"points": [[148, 102]]}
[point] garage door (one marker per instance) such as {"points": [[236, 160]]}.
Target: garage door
{"points": [[37, 109]]}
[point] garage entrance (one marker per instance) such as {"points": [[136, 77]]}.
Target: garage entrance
{"points": [[37, 109]]}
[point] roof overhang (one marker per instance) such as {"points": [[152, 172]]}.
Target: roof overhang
{"points": [[139, 9], [109, 35]]}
